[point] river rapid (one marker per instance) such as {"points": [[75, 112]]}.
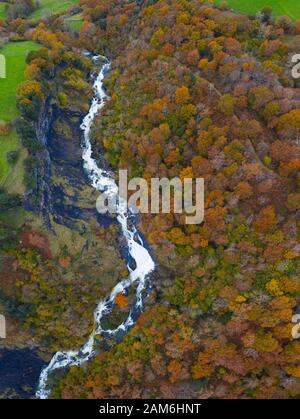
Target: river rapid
{"points": [[140, 263]]}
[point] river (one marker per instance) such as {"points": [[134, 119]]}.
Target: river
{"points": [[140, 263]]}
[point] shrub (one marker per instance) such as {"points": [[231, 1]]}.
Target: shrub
{"points": [[12, 157]]}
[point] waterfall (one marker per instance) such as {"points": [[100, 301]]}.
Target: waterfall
{"points": [[103, 181]]}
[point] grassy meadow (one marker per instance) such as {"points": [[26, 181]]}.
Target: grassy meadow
{"points": [[289, 8], [2, 10], [48, 7], [75, 22], [15, 54]]}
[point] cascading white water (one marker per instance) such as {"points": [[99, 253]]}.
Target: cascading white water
{"points": [[102, 181]]}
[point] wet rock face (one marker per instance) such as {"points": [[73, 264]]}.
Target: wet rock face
{"points": [[64, 143], [20, 369], [64, 194]]}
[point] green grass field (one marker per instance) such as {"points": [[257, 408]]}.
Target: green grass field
{"points": [[289, 8], [75, 22], [2, 10], [15, 54], [48, 7]]}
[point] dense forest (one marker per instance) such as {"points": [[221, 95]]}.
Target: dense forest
{"points": [[196, 90]]}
